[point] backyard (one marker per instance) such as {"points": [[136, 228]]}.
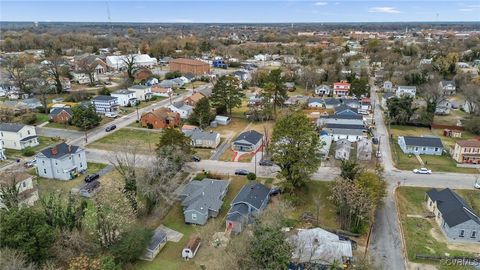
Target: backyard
{"points": [[422, 235], [144, 140], [44, 142]]}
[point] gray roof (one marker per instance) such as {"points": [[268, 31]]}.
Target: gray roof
{"points": [[344, 131], [343, 116], [423, 141], [103, 97], [204, 195], [342, 108], [332, 101], [388, 95], [345, 126], [250, 136], [139, 87], [197, 134], [123, 92], [55, 111], [11, 127], [447, 83], [453, 208], [62, 150], [253, 194], [182, 106], [158, 237], [316, 100]]}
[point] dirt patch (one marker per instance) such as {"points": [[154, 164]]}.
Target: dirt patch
{"points": [[467, 247]]}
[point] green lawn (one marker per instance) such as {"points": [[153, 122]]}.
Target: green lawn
{"points": [[62, 126], [142, 104], [144, 140], [41, 118], [417, 230], [44, 143], [49, 185], [169, 257]]}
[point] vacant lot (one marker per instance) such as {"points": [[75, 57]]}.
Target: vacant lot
{"points": [[419, 231], [143, 140]]}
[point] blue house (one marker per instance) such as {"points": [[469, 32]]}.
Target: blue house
{"points": [[421, 145], [248, 204]]}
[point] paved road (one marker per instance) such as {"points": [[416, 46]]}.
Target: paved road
{"points": [[58, 132], [99, 132]]}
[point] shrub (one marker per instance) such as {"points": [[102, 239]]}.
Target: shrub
{"points": [[28, 152], [29, 118], [251, 176], [131, 244]]}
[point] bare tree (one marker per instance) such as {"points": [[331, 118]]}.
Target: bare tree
{"points": [[55, 68], [471, 93], [19, 69], [11, 259], [130, 62], [88, 67]]}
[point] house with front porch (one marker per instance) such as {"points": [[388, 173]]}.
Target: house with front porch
{"points": [[18, 136], [248, 141], [61, 162], [142, 92], [125, 97]]}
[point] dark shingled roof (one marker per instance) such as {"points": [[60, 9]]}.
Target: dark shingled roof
{"points": [[104, 98], [423, 141], [453, 208], [254, 194], [11, 127], [250, 136], [62, 150], [343, 116], [56, 111], [345, 126]]}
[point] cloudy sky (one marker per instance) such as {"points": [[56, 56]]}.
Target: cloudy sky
{"points": [[249, 11]]}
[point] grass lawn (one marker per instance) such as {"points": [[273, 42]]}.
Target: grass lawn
{"points": [[41, 118], [417, 230], [49, 185], [443, 163], [144, 140], [246, 157], [203, 153], [169, 257], [227, 155], [142, 104], [44, 143], [62, 126]]}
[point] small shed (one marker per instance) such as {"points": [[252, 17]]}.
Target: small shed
{"points": [[192, 247], [158, 241], [222, 120]]}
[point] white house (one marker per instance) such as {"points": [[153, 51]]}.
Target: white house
{"points": [[24, 183], [18, 136], [406, 91], [448, 87], [322, 90], [105, 104], [117, 62], [181, 108], [142, 92], [62, 162], [125, 97], [387, 86]]}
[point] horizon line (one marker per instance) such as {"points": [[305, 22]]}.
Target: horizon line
{"points": [[187, 22]]}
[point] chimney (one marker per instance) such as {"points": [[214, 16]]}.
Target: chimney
{"points": [[54, 150]]}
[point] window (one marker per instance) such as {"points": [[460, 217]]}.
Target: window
{"points": [[436, 149], [416, 148], [474, 234], [194, 216], [78, 155], [28, 132], [424, 148], [462, 233], [24, 184], [45, 171]]}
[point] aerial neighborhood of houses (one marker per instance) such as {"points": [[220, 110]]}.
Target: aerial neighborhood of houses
{"points": [[212, 146]]}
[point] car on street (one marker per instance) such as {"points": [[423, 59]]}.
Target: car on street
{"points": [[477, 185], [196, 159], [241, 172], [111, 114], [265, 162], [110, 128], [422, 171], [30, 163], [91, 177]]}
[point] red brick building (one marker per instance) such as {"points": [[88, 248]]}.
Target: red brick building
{"points": [[60, 115], [160, 118], [185, 66]]}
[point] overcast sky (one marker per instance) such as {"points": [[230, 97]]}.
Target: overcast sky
{"points": [[248, 11]]}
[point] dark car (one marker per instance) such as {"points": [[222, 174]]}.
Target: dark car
{"points": [[265, 162], [375, 140], [91, 177], [241, 172], [196, 159], [110, 128], [275, 191]]}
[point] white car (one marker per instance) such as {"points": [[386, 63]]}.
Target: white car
{"points": [[422, 171], [477, 185]]}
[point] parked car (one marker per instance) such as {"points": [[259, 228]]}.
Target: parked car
{"points": [[196, 159], [111, 114], [241, 172], [375, 140], [30, 163], [91, 177], [265, 162], [422, 171], [110, 128], [477, 185]]}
